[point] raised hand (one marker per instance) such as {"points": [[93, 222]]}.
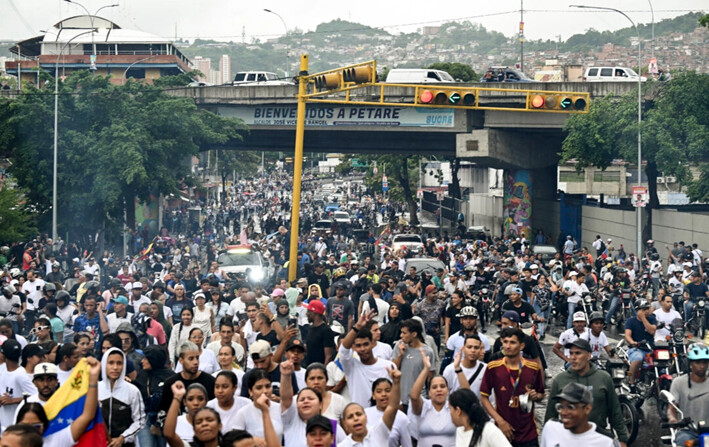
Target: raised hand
{"points": [[178, 390]]}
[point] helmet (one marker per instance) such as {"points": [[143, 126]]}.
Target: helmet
{"points": [[62, 295], [468, 311], [340, 271], [595, 316], [641, 304], [50, 287], [698, 351], [15, 273], [115, 282], [55, 265], [160, 284], [650, 242], [655, 257], [92, 286]]}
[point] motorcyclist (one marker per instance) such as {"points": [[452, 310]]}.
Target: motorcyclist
{"points": [[619, 282], [639, 334], [691, 391], [693, 292]]}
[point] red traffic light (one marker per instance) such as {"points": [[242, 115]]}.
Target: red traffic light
{"points": [[538, 102], [426, 97]]}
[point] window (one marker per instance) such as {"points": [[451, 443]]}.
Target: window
{"points": [[571, 177], [607, 72], [136, 73], [251, 77], [593, 72], [433, 75], [606, 176]]}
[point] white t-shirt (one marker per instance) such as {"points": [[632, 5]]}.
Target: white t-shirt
{"points": [[571, 287], [207, 363], [376, 437], [382, 309], [249, 418], [457, 341], [598, 344], [399, 434], [665, 317], [452, 378], [228, 417], [554, 434], [336, 407], [360, 376], [570, 336], [14, 384], [236, 307], [334, 375], [184, 429], [62, 438], [491, 437], [294, 434], [382, 351], [432, 427]]}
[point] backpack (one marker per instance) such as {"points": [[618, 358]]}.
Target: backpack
{"points": [[603, 247], [152, 404]]}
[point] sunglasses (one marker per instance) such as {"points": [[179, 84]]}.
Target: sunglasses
{"points": [[568, 407]]}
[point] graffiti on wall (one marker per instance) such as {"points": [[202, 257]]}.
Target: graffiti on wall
{"points": [[517, 206]]}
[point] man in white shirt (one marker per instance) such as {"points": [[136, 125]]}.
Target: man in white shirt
{"points": [[574, 406], [665, 314], [46, 382], [14, 382], [569, 336], [32, 288], [467, 368], [120, 314], [363, 370], [596, 337], [136, 296]]}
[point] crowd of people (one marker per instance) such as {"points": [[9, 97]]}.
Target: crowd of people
{"points": [[357, 349]]}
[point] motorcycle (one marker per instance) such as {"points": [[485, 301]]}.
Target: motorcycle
{"points": [[586, 305], [624, 310], [698, 320], [617, 368], [701, 427], [654, 375], [485, 296]]}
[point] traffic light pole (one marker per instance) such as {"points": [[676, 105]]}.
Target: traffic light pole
{"points": [[297, 169]]}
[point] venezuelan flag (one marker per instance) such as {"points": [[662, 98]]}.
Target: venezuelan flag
{"points": [[67, 404]]}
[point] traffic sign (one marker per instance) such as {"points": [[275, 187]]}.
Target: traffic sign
{"points": [[639, 198], [385, 183]]}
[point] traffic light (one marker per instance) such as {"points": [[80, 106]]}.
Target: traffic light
{"points": [[446, 97], [336, 79], [541, 101]]}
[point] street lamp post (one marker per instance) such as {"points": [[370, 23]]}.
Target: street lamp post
{"points": [[56, 131], [125, 73], [638, 210], [286, 34], [91, 18]]}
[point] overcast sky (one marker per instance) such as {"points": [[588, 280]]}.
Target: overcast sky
{"points": [[227, 19]]}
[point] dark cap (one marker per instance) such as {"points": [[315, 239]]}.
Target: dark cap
{"points": [[576, 393], [511, 315], [33, 349], [340, 285], [319, 421], [12, 349], [579, 343], [295, 344]]}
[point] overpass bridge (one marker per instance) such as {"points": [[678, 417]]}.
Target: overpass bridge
{"points": [[494, 138]]}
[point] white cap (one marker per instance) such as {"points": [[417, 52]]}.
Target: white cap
{"points": [[45, 369], [573, 274], [136, 285], [579, 316], [609, 239], [687, 264]]}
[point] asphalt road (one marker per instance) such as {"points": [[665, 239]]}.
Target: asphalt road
{"points": [[649, 432]]}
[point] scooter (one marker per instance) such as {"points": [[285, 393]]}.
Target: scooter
{"points": [[701, 427]]}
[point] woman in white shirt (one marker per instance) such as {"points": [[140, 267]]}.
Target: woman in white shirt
{"points": [[225, 402], [207, 360], [180, 333], [194, 398], [227, 362], [203, 315], [333, 404], [249, 417], [295, 417], [430, 418], [381, 393], [474, 426], [354, 419]]}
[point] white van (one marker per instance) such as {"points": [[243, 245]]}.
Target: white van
{"points": [[259, 78], [418, 76], [611, 74]]}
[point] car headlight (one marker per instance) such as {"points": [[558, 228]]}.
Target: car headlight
{"points": [[256, 274]]}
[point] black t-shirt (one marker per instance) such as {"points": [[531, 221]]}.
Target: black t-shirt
{"points": [[319, 338], [530, 350], [452, 313], [274, 376], [525, 310], [206, 380], [340, 310], [271, 338], [527, 286], [696, 291]]}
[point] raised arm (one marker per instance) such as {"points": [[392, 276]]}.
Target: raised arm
{"points": [[286, 385], [415, 395], [78, 427], [168, 431], [263, 403], [394, 399], [350, 337]]}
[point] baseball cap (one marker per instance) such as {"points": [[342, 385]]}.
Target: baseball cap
{"points": [[12, 349], [198, 295], [318, 421], [579, 316], [295, 343], [579, 343], [511, 315], [430, 288], [573, 274], [260, 349], [595, 316], [534, 267], [33, 349], [315, 306], [516, 290], [45, 369], [137, 285], [277, 292], [576, 393], [121, 299], [302, 281], [340, 285]]}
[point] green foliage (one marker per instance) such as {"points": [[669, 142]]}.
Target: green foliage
{"points": [[462, 72], [17, 222], [402, 175], [181, 80], [675, 133], [115, 143], [704, 21]]}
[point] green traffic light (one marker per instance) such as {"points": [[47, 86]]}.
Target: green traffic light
{"points": [[454, 98], [566, 103]]}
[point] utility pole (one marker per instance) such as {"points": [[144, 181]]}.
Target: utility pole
{"points": [[521, 36]]}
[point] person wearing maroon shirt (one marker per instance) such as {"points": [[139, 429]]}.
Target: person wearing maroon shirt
{"points": [[510, 377]]}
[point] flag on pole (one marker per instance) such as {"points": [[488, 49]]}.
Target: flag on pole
{"points": [[67, 404], [146, 251], [381, 236]]}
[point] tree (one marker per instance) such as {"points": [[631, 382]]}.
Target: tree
{"points": [[402, 173], [17, 222], [675, 131], [704, 21], [461, 72], [116, 143], [230, 161]]}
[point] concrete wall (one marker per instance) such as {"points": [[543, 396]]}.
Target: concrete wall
{"points": [[668, 226], [546, 216], [483, 209]]}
